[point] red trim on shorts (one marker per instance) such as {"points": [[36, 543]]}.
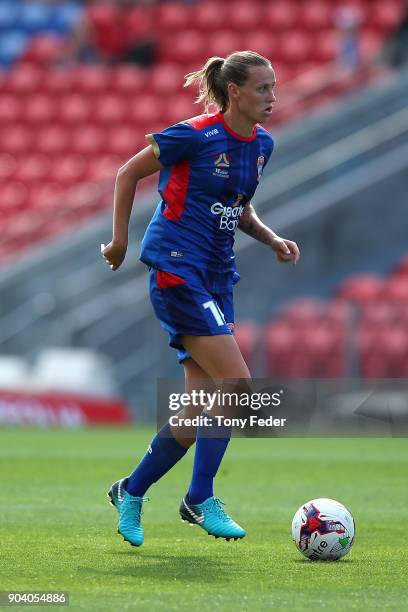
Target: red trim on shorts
{"points": [[176, 190], [168, 279]]}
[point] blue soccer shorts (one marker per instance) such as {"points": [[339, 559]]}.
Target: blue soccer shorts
{"points": [[185, 306]]}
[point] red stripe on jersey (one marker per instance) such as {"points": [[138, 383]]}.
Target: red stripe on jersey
{"points": [[176, 190], [203, 121], [167, 279]]}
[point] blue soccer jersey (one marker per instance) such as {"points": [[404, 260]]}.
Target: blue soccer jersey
{"points": [[210, 174]]}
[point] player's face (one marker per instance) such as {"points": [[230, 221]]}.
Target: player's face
{"points": [[256, 98]]}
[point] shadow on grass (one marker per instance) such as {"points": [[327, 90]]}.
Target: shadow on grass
{"points": [[189, 569], [334, 563]]}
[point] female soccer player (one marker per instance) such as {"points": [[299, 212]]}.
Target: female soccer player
{"points": [[209, 166]]}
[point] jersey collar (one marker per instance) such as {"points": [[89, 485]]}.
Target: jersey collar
{"points": [[235, 134]]}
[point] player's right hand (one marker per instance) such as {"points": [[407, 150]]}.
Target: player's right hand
{"points": [[114, 254]]}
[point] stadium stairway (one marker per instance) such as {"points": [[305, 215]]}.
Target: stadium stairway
{"points": [[328, 187]]}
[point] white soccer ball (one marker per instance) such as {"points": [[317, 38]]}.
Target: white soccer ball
{"points": [[323, 530]]}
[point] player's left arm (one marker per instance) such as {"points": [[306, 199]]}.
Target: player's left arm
{"points": [[250, 223]]}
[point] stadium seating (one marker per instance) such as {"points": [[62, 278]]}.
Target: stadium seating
{"points": [[55, 118], [367, 318]]}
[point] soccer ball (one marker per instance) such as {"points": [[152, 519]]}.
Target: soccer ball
{"points": [[323, 530]]}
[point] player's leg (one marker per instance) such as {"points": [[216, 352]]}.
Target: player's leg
{"points": [[221, 358], [170, 444], [164, 451], [196, 379]]}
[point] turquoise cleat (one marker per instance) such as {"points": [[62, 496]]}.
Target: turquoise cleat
{"points": [[211, 516], [130, 511]]}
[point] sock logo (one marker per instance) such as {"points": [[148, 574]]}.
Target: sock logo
{"points": [[149, 449]]}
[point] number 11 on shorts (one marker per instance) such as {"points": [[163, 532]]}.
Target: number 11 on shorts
{"points": [[215, 311]]}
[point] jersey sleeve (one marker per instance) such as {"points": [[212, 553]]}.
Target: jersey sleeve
{"points": [[174, 144], [271, 145]]}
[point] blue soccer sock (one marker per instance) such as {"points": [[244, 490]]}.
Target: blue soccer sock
{"points": [[211, 444], [163, 453]]}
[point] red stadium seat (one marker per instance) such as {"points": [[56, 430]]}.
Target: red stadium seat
{"points": [[74, 108], [280, 15], [24, 79], [191, 45], [110, 109], [208, 16], [15, 139], [362, 289], [180, 107], [32, 168], [280, 339], [104, 166], [146, 110], [325, 46], [93, 80], [166, 79], [53, 140], [57, 81], [39, 109], [378, 317], [303, 310], [173, 17], [315, 15], [128, 79], [395, 291], [384, 16], [264, 42], [13, 196], [125, 141], [8, 166], [223, 42], [88, 140], [10, 109], [245, 16], [45, 195], [43, 50], [246, 335], [295, 46], [69, 169], [102, 14]]}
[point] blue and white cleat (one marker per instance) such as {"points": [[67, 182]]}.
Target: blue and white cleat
{"points": [[211, 517], [130, 510]]}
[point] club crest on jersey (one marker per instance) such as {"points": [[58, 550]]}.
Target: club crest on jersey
{"points": [[222, 162], [260, 164]]}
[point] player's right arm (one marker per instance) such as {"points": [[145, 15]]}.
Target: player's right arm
{"points": [[141, 165]]}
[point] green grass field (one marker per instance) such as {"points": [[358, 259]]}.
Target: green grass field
{"points": [[59, 533]]}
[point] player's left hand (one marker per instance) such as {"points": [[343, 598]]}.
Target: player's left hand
{"points": [[286, 250]]}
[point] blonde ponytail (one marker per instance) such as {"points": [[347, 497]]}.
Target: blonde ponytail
{"points": [[217, 72], [210, 86]]}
